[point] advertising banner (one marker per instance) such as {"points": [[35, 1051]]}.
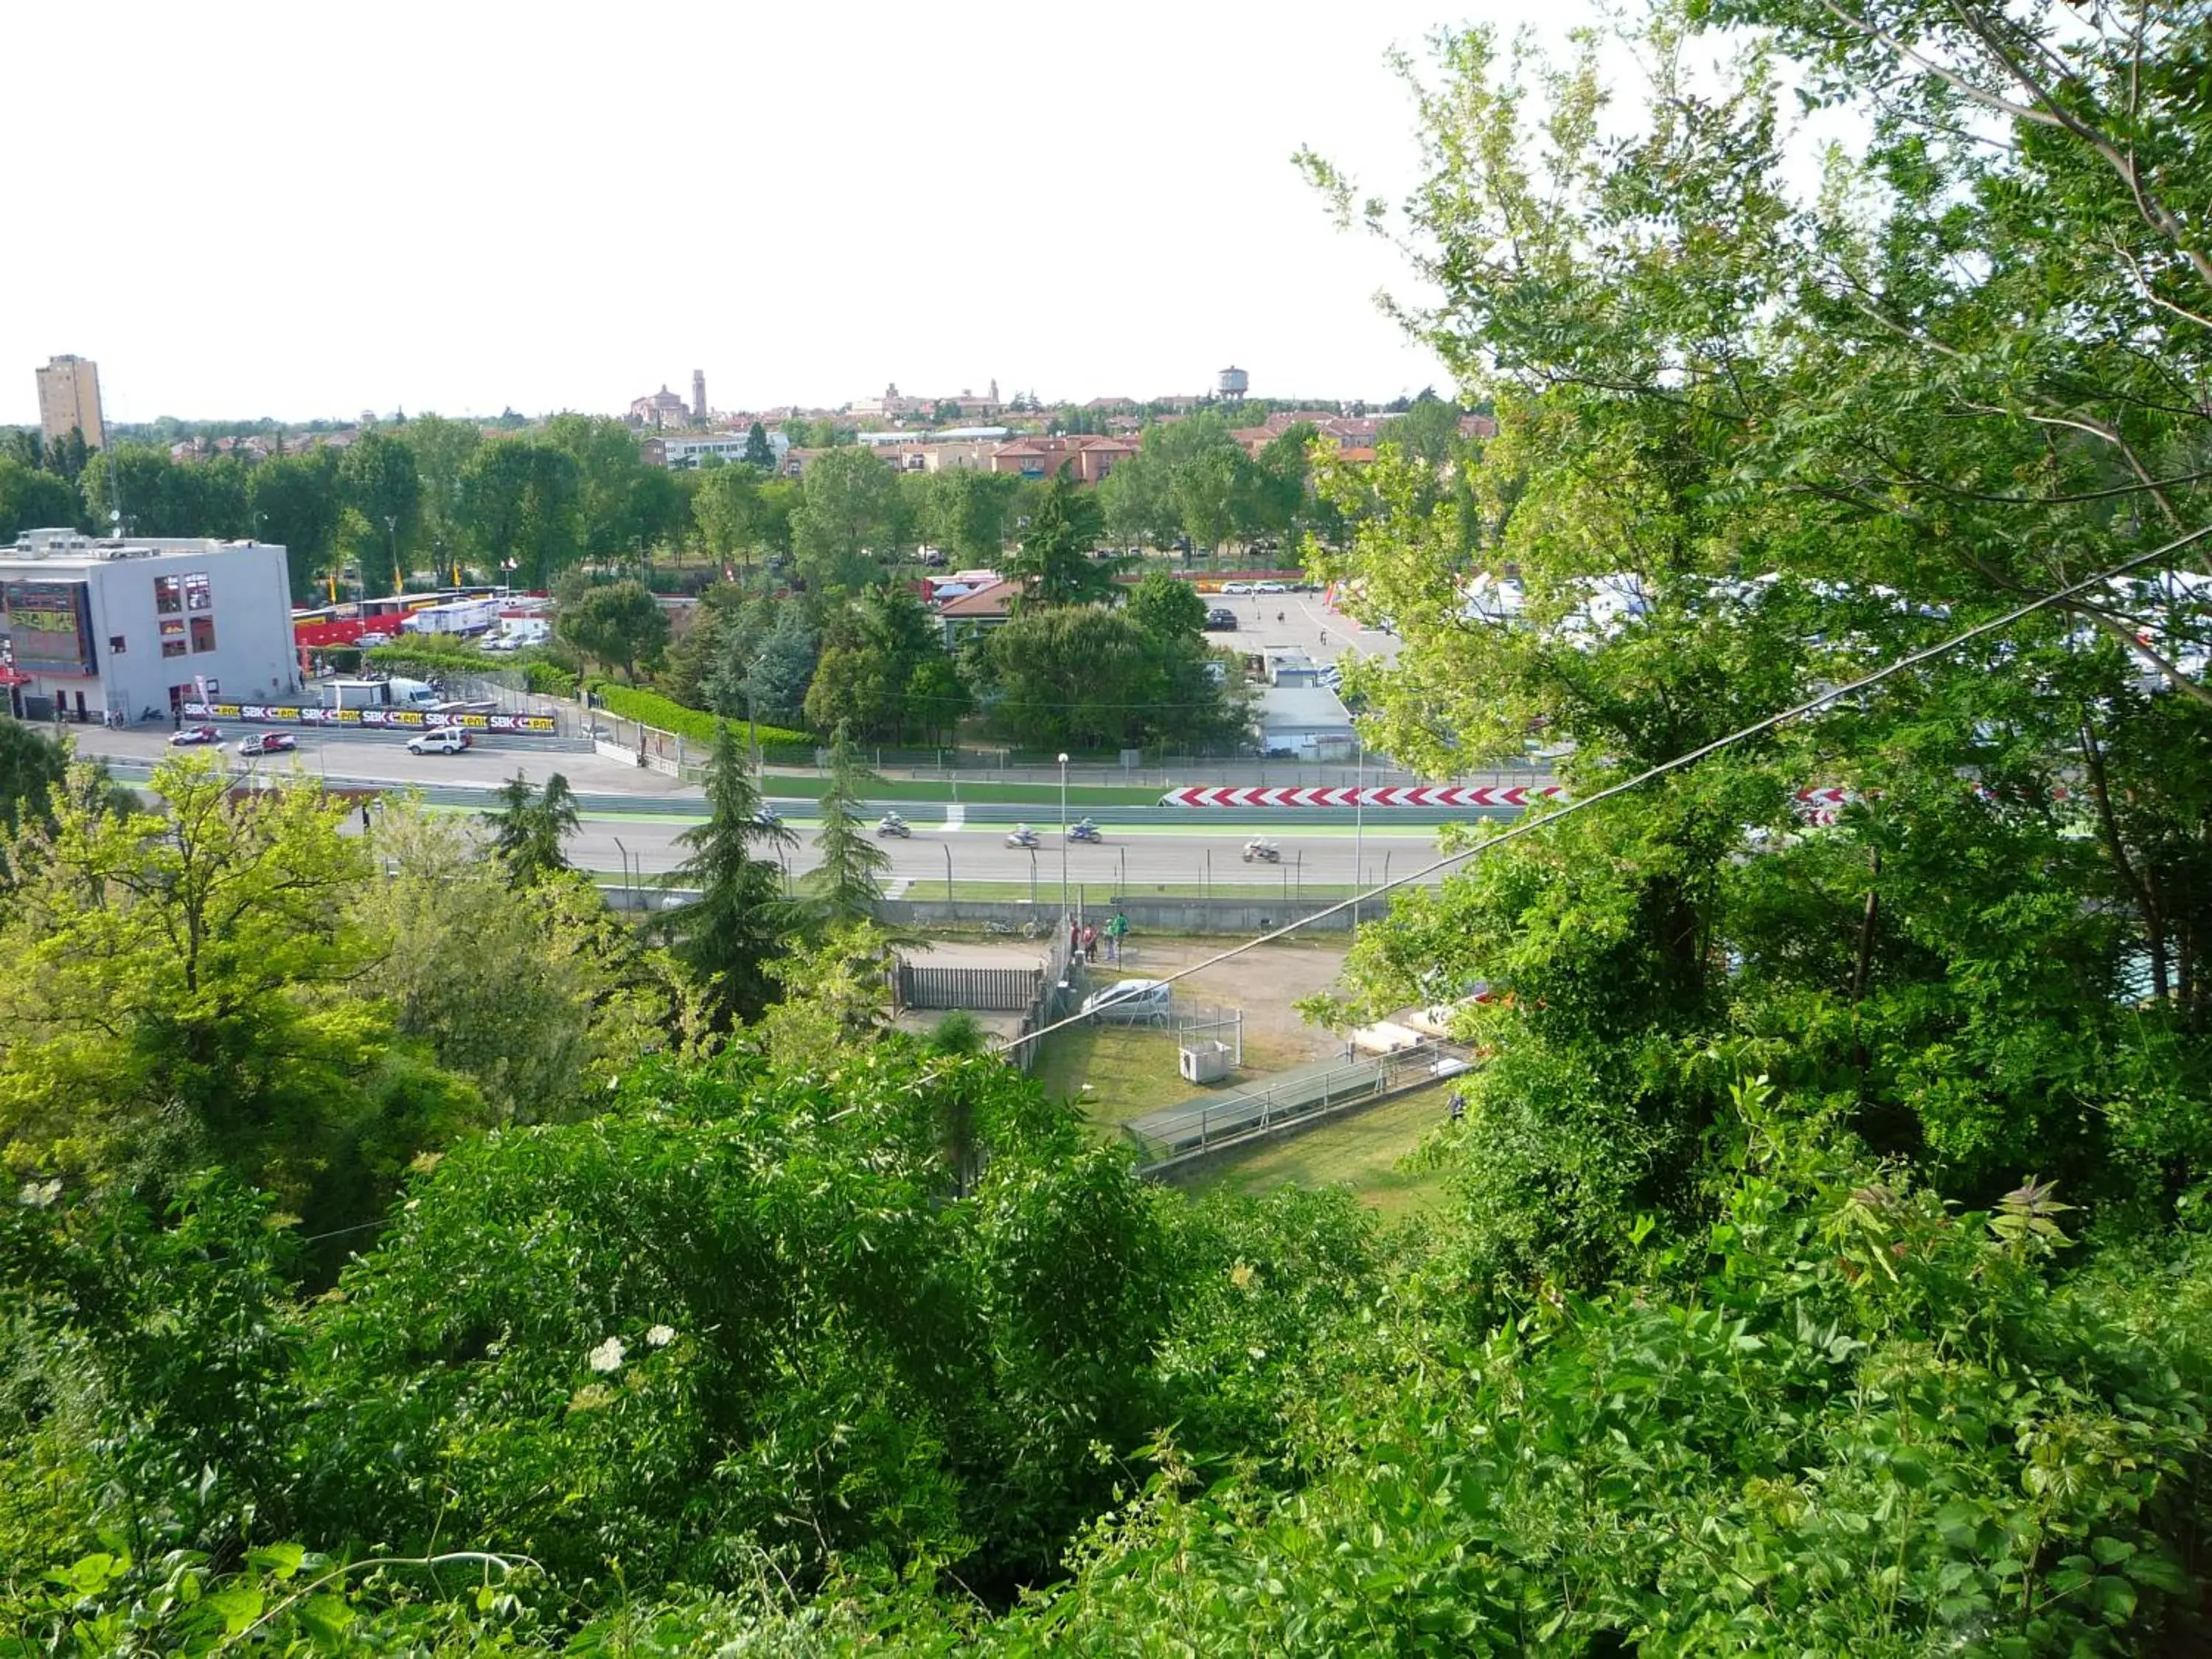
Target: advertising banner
{"points": [[50, 624], [395, 719]]}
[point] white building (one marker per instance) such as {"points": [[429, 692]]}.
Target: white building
{"points": [[89, 626], [1307, 722], [679, 454]]}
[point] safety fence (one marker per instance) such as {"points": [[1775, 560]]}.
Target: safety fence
{"points": [[1208, 1122]]}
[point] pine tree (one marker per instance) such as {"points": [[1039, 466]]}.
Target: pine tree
{"points": [[529, 827], [737, 922], [847, 882], [757, 452]]}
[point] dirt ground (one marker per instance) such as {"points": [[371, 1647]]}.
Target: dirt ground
{"points": [[1264, 983]]}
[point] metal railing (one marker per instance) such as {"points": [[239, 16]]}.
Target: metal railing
{"points": [[1206, 1122]]}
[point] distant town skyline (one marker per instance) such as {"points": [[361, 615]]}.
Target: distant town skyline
{"points": [[544, 214]]}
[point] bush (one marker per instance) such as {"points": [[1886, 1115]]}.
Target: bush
{"points": [[442, 655], [778, 743], [548, 679]]}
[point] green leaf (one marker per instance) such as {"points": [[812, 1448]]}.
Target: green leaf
{"points": [[237, 1606], [325, 1618], [277, 1561]]}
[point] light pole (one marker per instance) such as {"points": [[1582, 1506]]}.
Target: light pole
{"points": [[1063, 836], [391, 546], [1358, 830], [948, 872]]}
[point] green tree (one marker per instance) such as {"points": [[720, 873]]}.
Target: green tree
{"points": [[296, 502], [620, 624], [1056, 564], [68, 456], [1084, 677], [759, 455], [1166, 608], [184, 988], [735, 929], [443, 449], [1138, 499], [938, 697], [538, 995], [729, 511], [1428, 431], [377, 479], [32, 765], [872, 650], [968, 510], [31, 498], [847, 518], [768, 680], [1732, 468], [518, 505], [847, 882], [624, 506], [529, 826]]}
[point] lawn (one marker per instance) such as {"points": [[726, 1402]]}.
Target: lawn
{"points": [[1132, 1070], [786, 784], [1359, 1149]]}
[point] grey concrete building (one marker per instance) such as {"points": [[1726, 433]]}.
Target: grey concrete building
{"points": [[88, 627]]}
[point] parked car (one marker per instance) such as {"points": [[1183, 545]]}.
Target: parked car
{"points": [[185, 736], [1131, 1000], [446, 740], [1220, 620], [1236, 588], [369, 639], [1269, 588], [269, 743]]}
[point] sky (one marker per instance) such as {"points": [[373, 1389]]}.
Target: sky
{"points": [[305, 211]]}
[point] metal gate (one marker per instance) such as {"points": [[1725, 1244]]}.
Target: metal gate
{"points": [[985, 990]]}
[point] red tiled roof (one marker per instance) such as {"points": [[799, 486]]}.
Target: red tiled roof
{"points": [[990, 601]]}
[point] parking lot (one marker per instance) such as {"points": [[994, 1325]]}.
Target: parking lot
{"points": [[1302, 620]]}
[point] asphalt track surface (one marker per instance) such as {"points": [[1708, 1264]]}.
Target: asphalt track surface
{"points": [[1128, 861], [1133, 857]]}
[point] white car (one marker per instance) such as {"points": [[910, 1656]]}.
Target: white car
{"points": [[1269, 588], [446, 740], [1131, 1000], [1236, 588]]}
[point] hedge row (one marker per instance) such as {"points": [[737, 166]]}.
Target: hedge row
{"points": [[547, 678], [778, 744]]}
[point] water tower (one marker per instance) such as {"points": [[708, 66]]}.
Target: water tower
{"points": [[1232, 383]]}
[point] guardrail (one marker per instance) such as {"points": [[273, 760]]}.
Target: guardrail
{"points": [[1206, 1123]]}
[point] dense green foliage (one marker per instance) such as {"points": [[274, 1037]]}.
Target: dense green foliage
{"points": [[1824, 1266], [732, 933], [778, 744]]}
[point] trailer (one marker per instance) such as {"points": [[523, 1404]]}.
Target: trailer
{"points": [[462, 617]]}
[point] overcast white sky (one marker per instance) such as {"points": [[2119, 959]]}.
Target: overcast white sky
{"points": [[308, 209]]}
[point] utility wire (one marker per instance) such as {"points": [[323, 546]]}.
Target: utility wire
{"points": [[1529, 826]]}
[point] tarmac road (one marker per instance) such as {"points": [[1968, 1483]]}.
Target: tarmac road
{"points": [[487, 765], [1128, 861], [1134, 856]]}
